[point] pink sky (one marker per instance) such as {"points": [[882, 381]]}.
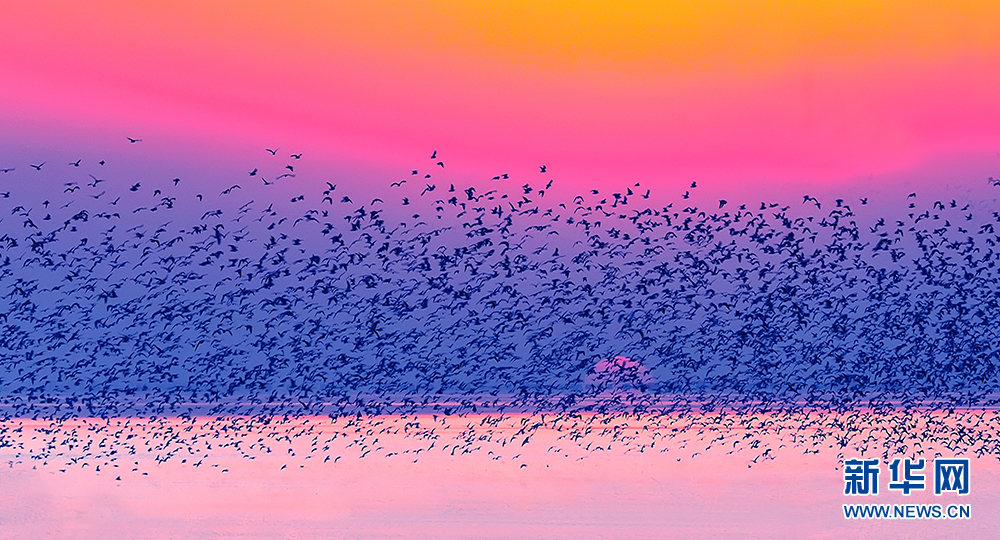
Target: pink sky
{"points": [[895, 95]]}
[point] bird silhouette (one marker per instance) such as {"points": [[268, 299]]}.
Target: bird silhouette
{"points": [[716, 328]]}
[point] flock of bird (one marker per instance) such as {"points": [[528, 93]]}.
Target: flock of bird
{"points": [[147, 298]]}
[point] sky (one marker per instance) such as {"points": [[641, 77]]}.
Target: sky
{"points": [[737, 95]]}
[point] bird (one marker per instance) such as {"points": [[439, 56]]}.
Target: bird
{"points": [[591, 317]]}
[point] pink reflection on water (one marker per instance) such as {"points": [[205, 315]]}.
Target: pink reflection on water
{"points": [[474, 476]]}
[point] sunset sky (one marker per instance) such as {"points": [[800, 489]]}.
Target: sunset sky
{"points": [[738, 95]]}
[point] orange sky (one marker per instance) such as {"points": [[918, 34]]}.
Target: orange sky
{"points": [[663, 91]]}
